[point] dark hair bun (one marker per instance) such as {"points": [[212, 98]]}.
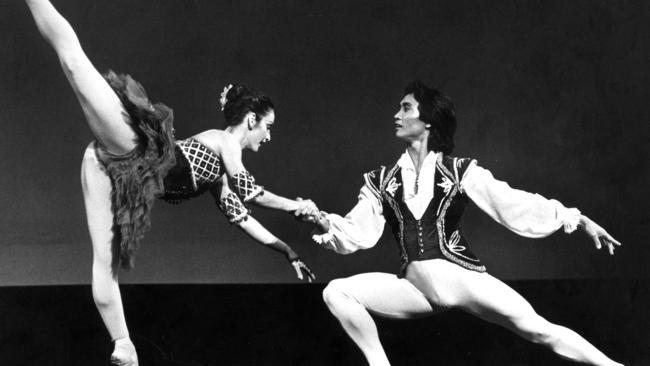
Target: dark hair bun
{"points": [[237, 91], [238, 100]]}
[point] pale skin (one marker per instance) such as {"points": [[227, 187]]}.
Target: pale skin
{"points": [[433, 285], [107, 120]]}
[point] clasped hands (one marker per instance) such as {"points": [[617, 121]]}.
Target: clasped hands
{"points": [[306, 209], [309, 212]]}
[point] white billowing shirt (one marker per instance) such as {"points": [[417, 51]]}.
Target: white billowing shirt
{"points": [[527, 214], [418, 189]]}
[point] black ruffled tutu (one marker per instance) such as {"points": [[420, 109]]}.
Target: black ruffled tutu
{"points": [[137, 176]]}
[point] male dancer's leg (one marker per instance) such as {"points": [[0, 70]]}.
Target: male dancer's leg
{"points": [[352, 299], [490, 299]]}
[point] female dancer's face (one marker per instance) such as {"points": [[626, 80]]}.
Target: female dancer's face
{"points": [[261, 131], [408, 126]]}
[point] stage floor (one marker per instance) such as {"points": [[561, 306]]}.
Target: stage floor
{"points": [[194, 325]]}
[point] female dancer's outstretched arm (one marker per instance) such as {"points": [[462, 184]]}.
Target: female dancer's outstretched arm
{"points": [[103, 110], [258, 232], [230, 151], [237, 213]]}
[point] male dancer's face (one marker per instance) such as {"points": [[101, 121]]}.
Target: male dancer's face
{"points": [[408, 126]]}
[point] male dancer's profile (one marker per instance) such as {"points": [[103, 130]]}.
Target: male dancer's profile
{"points": [[422, 197]]}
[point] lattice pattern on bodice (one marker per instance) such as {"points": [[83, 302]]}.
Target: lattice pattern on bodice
{"points": [[206, 165]]}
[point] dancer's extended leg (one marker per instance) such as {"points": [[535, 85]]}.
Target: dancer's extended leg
{"points": [[103, 110], [490, 299], [352, 299], [106, 292]]}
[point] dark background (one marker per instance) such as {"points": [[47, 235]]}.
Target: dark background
{"points": [[551, 96]]}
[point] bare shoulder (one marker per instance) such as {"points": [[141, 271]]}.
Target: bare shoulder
{"points": [[216, 140]]}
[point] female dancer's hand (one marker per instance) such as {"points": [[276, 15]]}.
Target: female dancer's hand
{"points": [[302, 270], [599, 236], [305, 208]]}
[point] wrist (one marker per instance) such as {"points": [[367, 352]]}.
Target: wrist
{"points": [[292, 256], [322, 223], [583, 221], [293, 205], [285, 249]]}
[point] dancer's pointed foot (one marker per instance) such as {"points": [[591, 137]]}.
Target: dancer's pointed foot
{"points": [[124, 353]]}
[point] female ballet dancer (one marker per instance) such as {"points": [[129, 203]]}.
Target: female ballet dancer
{"points": [[135, 159], [422, 197]]}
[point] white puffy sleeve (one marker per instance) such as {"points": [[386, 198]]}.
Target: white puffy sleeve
{"points": [[527, 214], [361, 228]]}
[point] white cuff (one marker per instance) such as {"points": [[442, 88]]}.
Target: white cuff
{"points": [[569, 217], [323, 238]]}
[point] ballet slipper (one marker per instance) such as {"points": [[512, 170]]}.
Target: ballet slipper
{"points": [[124, 353]]}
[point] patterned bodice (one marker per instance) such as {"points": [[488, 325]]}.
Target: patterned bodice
{"points": [[206, 165], [197, 169]]}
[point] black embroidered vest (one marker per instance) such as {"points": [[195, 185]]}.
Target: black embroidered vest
{"points": [[437, 234]]}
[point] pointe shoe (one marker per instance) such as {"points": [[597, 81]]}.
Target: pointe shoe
{"points": [[124, 353]]}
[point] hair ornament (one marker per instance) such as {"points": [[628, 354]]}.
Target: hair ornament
{"points": [[223, 99]]}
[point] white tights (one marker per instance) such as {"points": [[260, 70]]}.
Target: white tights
{"points": [[435, 285]]}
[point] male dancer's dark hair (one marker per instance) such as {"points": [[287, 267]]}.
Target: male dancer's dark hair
{"points": [[436, 109]]}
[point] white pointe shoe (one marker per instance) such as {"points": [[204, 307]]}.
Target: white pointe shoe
{"points": [[124, 353]]}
